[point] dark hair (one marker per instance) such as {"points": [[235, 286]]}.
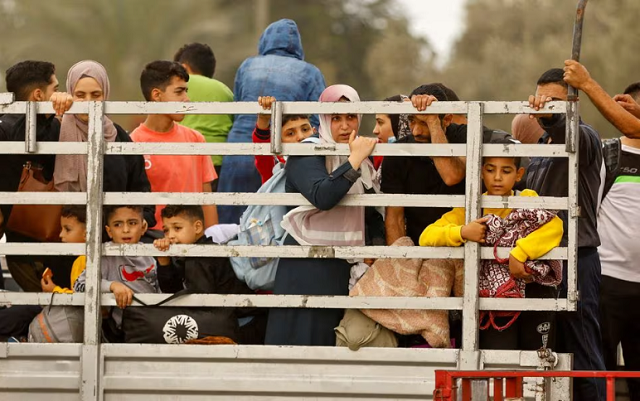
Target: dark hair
{"points": [[506, 141], [158, 74], [633, 90], [292, 117], [553, 76], [431, 89], [394, 118], [451, 95], [110, 210], [79, 212], [193, 212], [26, 76], [199, 57]]}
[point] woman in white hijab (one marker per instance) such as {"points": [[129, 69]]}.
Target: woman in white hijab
{"points": [[324, 181]]}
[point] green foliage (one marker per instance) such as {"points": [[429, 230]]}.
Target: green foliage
{"points": [[508, 44]]}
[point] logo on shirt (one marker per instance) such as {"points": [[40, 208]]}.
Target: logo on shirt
{"points": [[147, 162], [179, 329], [130, 274]]}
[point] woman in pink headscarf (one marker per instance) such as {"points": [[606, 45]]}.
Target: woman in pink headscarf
{"points": [[88, 81], [324, 181]]}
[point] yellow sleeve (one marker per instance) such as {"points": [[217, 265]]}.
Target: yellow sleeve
{"points": [[445, 231], [60, 290], [541, 240], [78, 267]]}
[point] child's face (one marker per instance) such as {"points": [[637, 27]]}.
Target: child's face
{"points": [[126, 226], [176, 91], [182, 230], [72, 230], [500, 174], [295, 131]]}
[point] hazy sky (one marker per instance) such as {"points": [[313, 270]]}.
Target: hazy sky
{"points": [[441, 21]]}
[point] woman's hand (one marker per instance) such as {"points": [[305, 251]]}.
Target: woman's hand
{"points": [[360, 148]]}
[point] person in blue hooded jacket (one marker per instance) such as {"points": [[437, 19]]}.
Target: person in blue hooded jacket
{"points": [[278, 70]]}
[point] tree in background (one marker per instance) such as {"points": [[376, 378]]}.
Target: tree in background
{"points": [[338, 36], [508, 44]]}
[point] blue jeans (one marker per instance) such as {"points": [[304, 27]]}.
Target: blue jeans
{"points": [[579, 332]]}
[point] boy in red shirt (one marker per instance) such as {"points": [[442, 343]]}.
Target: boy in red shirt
{"points": [[295, 129], [166, 81]]}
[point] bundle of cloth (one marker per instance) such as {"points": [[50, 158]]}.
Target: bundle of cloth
{"points": [[445, 277], [412, 278], [495, 280]]}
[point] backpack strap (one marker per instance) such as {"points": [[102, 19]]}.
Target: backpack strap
{"points": [[611, 153]]}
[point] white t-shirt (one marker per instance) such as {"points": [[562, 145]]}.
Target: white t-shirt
{"points": [[619, 221]]}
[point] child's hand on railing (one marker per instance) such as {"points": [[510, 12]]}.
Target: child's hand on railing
{"points": [[123, 294], [475, 231], [47, 284], [265, 119], [163, 245]]}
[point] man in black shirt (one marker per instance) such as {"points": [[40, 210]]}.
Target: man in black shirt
{"points": [[423, 175], [579, 332], [30, 81]]}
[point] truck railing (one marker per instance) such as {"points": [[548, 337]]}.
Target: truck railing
{"points": [[469, 357]]}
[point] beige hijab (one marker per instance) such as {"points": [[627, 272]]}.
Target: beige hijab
{"points": [[70, 174], [525, 129]]}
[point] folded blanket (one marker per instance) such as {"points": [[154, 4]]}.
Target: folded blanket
{"points": [[412, 278]]}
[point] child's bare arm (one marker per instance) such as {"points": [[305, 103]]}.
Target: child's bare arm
{"points": [[265, 119]]}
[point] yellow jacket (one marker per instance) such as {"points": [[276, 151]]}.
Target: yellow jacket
{"points": [[447, 232], [78, 267]]}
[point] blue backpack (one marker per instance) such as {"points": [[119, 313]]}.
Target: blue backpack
{"points": [[260, 225]]}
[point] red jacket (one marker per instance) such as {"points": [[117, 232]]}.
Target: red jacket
{"points": [[265, 163]]}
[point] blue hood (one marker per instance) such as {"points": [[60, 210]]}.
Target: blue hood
{"points": [[281, 38]]}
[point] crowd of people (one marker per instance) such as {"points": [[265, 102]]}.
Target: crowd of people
{"points": [[608, 279]]}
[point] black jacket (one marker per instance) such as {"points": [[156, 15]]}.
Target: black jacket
{"points": [[122, 173], [201, 275]]}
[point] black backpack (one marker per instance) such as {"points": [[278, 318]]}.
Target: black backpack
{"points": [[611, 154]]}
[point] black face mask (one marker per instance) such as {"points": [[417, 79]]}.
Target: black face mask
{"points": [[551, 121]]}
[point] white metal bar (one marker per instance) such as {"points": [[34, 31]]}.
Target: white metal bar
{"points": [[71, 148], [523, 150], [276, 128], [276, 354], [294, 301], [375, 107], [43, 198], [52, 248], [300, 149], [470, 315], [6, 98], [30, 127], [91, 388], [288, 251], [573, 132]]}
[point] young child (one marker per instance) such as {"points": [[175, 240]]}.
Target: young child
{"points": [[184, 224], [74, 230], [124, 275], [166, 81], [532, 233], [295, 129]]}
